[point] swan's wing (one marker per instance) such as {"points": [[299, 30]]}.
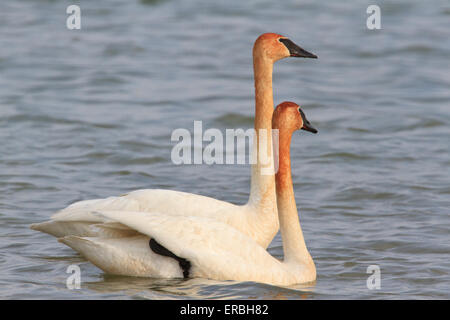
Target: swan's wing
{"points": [[129, 256], [214, 249], [148, 200], [77, 218], [105, 229]]}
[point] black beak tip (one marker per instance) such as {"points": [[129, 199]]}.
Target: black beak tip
{"points": [[311, 56], [310, 129], [303, 54]]}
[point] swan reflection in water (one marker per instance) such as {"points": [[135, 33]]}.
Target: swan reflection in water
{"points": [[197, 288]]}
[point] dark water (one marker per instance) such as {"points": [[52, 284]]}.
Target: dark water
{"points": [[89, 113]]}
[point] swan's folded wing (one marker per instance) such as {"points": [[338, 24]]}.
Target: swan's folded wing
{"points": [[78, 217], [149, 200], [214, 249], [128, 256], [107, 229]]}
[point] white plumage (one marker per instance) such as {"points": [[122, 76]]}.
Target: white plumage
{"points": [[215, 250], [258, 218], [220, 240]]}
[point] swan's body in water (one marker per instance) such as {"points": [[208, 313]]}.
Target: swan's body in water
{"points": [[204, 247], [256, 219]]}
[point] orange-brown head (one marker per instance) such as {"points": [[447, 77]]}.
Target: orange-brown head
{"points": [[289, 116], [275, 47]]}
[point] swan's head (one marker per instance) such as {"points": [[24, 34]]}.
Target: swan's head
{"points": [[289, 116], [275, 47]]}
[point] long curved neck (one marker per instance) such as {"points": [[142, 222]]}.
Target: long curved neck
{"points": [[262, 192], [294, 246]]}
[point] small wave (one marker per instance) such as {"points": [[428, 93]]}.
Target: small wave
{"points": [[409, 49], [136, 144], [360, 130], [96, 155], [234, 120], [56, 120], [419, 48], [346, 155], [141, 160], [420, 124], [356, 193], [152, 2], [106, 80]]}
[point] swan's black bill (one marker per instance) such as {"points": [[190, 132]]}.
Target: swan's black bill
{"points": [[306, 124], [295, 50], [309, 127]]}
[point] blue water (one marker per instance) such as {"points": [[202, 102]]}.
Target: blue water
{"points": [[89, 114]]}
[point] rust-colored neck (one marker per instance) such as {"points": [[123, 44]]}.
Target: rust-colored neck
{"points": [[294, 246], [263, 69], [262, 191]]}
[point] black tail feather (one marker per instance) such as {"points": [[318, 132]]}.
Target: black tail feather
{"points": [[185, 265]]}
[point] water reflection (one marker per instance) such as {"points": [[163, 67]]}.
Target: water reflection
{"points": [[197, 288]]}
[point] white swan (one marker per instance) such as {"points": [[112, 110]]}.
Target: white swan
{"points": [[257, 219], [201, 246]]}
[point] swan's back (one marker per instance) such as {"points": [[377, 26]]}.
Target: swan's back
{"points": [[147, 200]]}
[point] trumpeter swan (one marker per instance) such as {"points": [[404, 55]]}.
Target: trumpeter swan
{"points": [[205, 247], [257, 218]]}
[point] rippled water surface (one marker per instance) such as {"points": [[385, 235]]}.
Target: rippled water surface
{"points": [[89, 113]]}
